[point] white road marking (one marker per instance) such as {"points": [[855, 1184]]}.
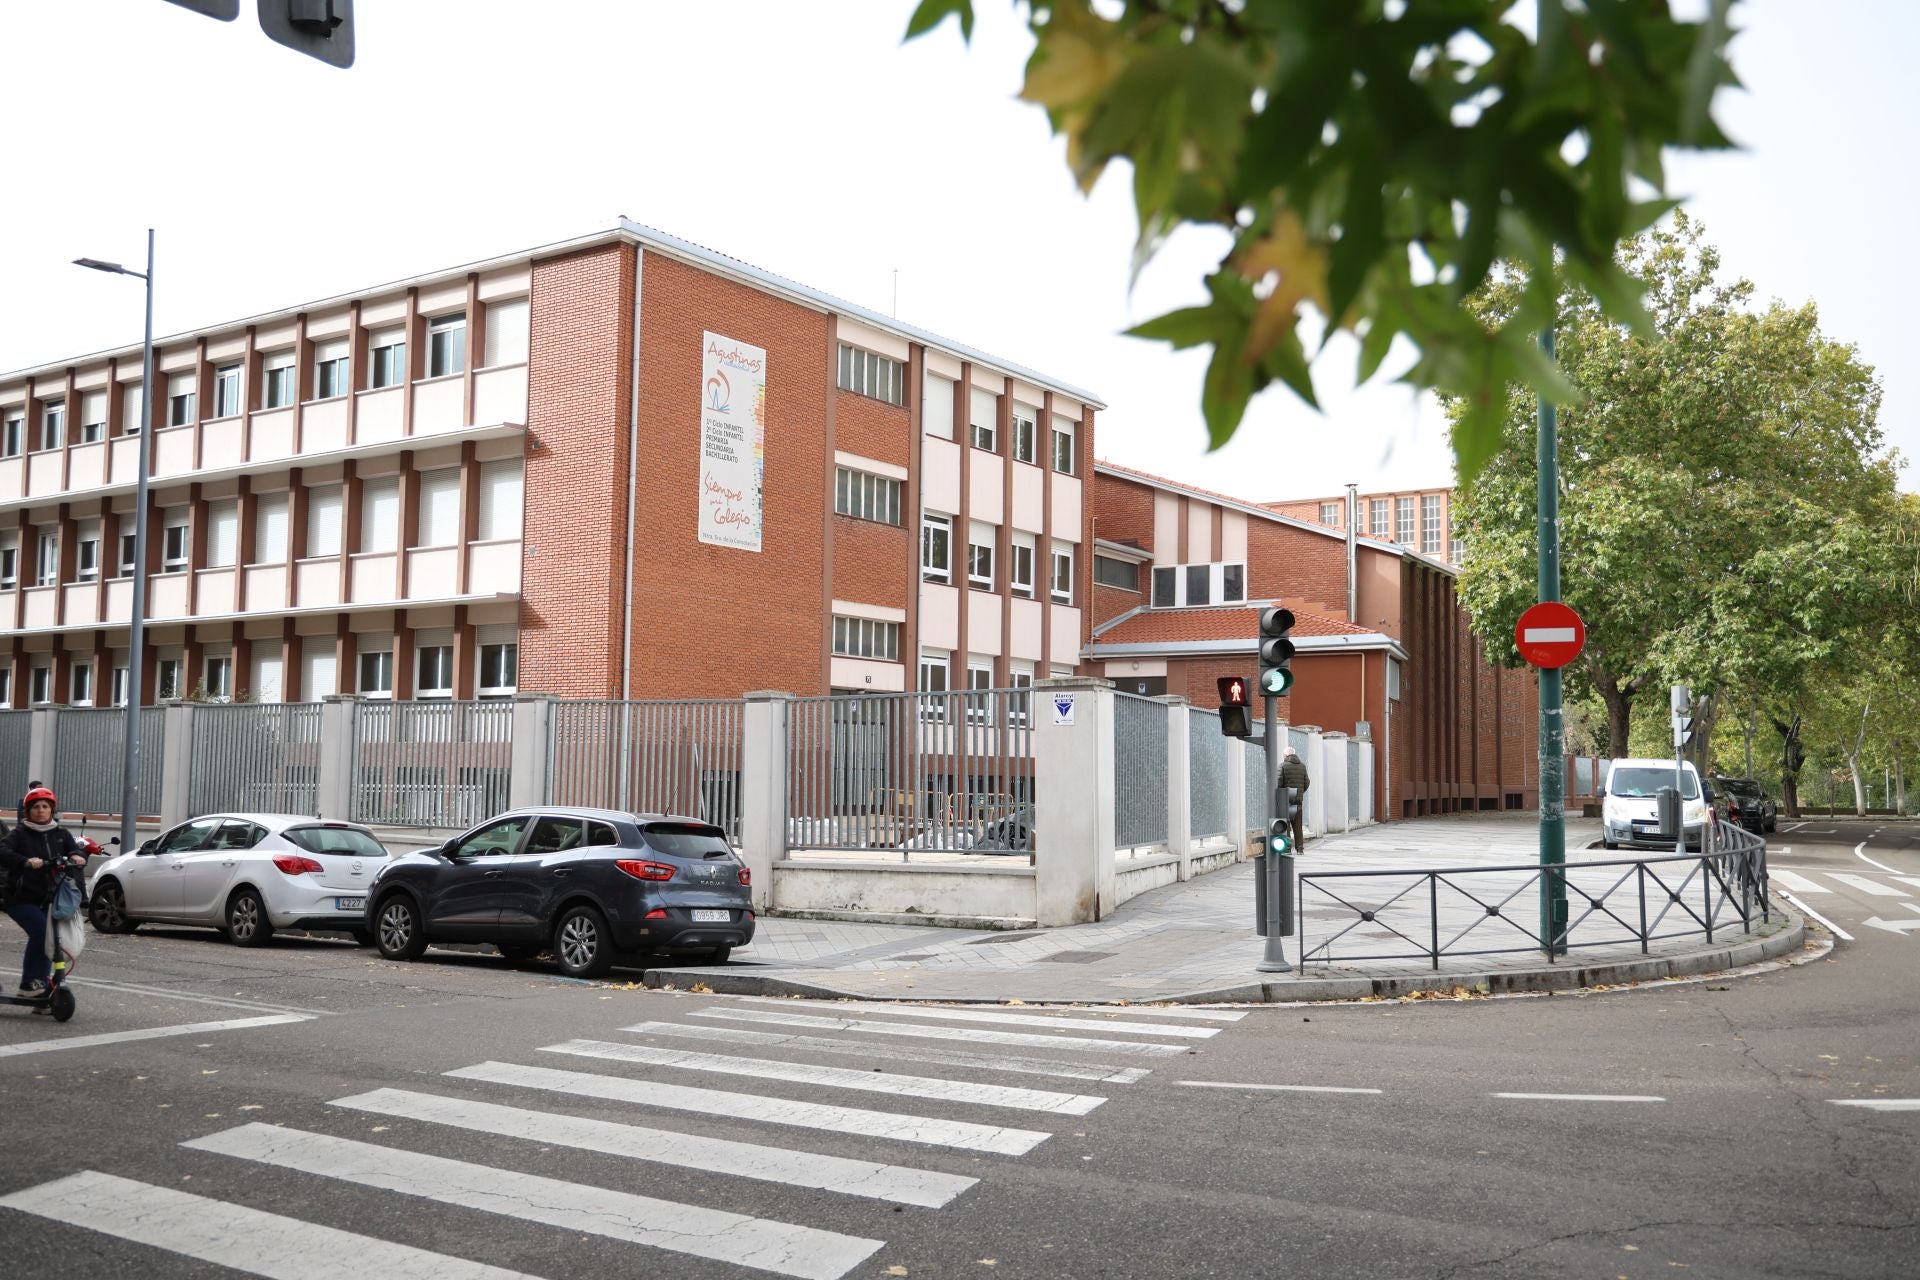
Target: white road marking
{"points": [[1901, 927], [1912, 880], [168, 993], [1581, 1097], [1793, 826], [1871, 887], [1806, 910], [1860, 852], [961, 1134], [1135, 1011], [1872, 1104], [234, 1236], [894, 1183], [987, 1015], [1102, 1072], [1273, 1088], [150, 1033], [765, 1245], [975, 1035], [1790, 880], [986, 1095]]}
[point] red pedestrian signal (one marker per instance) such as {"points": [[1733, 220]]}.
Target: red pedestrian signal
{"points": [[1234, 693]]}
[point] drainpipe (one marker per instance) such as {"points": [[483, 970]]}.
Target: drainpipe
{"points": [[1353, 552]]}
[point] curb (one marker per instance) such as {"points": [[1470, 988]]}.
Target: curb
{"points": [[1714, 959]]}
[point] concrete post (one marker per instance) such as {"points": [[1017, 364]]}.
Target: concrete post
{"points": [[1073, 799], [339, 736], [1314, 818], [1237, 798], [43, 746], [1333, 756], [1365, 748], [176, 766], [1179, 784], [763, 788], [532, 748]]}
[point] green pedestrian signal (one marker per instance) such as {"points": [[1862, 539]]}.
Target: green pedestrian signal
{"points": [[1280, 837], [1276, 652]]}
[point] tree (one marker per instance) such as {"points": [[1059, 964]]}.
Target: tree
{"points": [[1724, 498], [1371, 161]]}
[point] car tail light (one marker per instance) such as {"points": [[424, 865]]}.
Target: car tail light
{"points": [[746, 876], [657, 913], [641, 869], [295, 865]]}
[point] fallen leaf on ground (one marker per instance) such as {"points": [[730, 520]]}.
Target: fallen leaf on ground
{"points": [[894, 1271], [701, 988]]}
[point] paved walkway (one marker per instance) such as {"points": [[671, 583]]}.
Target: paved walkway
{"points": [[1195, 941]]}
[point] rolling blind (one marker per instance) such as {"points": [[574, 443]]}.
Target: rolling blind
{"points": [[506, 333], [319, 676], [500, 498], [223, 534], [439, 508], [270, 529], [323, 521], [936, 411], [380, 515]]}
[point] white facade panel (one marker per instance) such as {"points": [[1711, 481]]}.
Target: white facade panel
{"points": [[1200, 533], [125, 452], [940, 476], [987, 496], [220, 443], [377, 415], [1066, 635], [1233, 536], [173, 452], [13, 479], [373, 578], [87, 466], [439, 406], [217, 592], [433, 573], [167, 595], [494, 566], [939, 616], [1066, 507], [1029, 498], [867, 676], [1024, 640], [500, 395], [265, 588], [43, 602], [983, 622], [323, 426], [1166, 528], [270, 435], [316, 584], [43, 472], [82, 604]]}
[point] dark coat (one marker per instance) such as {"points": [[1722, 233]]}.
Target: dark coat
{"points": [[24, 883], [1293, 773]]}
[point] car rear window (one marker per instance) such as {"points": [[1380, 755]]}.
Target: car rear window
{"points": [[1643, 783], [349, 840], [1740, 788], [687, 839]]}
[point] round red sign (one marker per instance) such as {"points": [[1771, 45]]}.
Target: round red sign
{"points": [[1550, 635]]}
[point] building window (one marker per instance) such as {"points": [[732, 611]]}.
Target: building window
{"points": [[1123, 574], [506, 339], [325, 512], [983, 420], [439, 508], [502, 499], [1022, 680], [93, 417], [168, 673], [218, 683], [433, 671], [979, 681], [866, 638], [226, 391], [1330, 514], [133, 409], [1062, 446], [1166, 587], [1025, 431], [1199, 584], [80, 682], [380, 515], [1403, 521], [446, 345], [1022, 575], [47, 561], [223, 534], [1233, 583], [1195, 585], [12, 433], [182, 400], [499, 668], [1378, 508], [1457, 552], [173, 548], [121, 684], [933, 679], [980, 539], [86, 560], [865, 496], [53, 424], [936, 548], [1063, 575], [270, 529], [9, 567], [867, 374], [1430, 523], [330, 369], [376, 674], [388, 351], [41, 686], [6, 687], [278, 372], [124, 569], [936, 407]]}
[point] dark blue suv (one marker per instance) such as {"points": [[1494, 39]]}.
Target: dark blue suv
{"points": [[583, 884]]}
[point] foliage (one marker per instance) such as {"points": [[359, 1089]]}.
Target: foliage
{"points": [[1371, 160]]}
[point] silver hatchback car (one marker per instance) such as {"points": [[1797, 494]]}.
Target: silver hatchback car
{"points": [[245, 874]]}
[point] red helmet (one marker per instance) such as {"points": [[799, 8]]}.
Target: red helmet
{"points": [[40, 793]]}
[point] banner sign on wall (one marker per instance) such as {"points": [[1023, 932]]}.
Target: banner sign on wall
{"points": [[733, 441]]}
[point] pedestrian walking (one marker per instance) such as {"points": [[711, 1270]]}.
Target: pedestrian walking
{"points": [[30, 857], [1293, 773]]}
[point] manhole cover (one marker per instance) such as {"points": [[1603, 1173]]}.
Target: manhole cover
{"points": [[999, 938], [1078, 957]]}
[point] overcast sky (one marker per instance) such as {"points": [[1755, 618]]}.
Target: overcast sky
{"points": [[802, 137]]}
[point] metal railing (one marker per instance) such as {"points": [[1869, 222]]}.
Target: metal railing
{"points": [[247, 758], [1455, 911], [16, 742], [671, 756], [1206, 774], [912, 772], [90, 758], [1352, 750], [431, 764], [1139, 771]]}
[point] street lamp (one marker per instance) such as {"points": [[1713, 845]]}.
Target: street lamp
{"points": [[137, 622]]}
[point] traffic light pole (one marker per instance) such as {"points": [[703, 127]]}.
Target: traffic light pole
{"points": [[1553, 757], [1276, 869]]}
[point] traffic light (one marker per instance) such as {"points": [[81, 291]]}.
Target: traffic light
{"points": [[320, 29], [1280, 837], [1234, 699], [1276, 652]]}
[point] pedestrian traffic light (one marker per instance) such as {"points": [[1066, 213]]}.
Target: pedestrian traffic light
{"points": [[320, 29], [1276, 652], [1280, 837], [1234, 699]]}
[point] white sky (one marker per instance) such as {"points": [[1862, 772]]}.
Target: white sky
{"points": [[802, 137]]}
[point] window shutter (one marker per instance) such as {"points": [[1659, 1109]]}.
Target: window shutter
{"points": [[440, 508], [501, 485], [133, 400], [270, 529], [319, 675], [380, 515], [324, 511], [264, 681], [277, 360], [507, 324], [223, 534], [331, 349], [93, 408], [936, 410], [986, 409]]}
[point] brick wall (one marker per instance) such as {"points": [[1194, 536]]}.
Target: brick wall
{"points": [[1296, 565], [1122, 510], [871, 428], [870, 561]]}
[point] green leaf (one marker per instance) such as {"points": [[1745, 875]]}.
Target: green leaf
{"points": [[1227, 388], [1187, 327], [931, 13], [1706, 71]]}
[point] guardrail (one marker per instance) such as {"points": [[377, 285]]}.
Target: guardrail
{"points": [[1450, 911]]}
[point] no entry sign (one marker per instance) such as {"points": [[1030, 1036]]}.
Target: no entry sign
{"points": [[1550, 635]]}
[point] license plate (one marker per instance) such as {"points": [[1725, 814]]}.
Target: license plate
{"points": [[701, 916], [349, 904]]}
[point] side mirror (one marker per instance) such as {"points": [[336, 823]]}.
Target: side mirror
{"points": [[448, 849], [145, 848], [113, 840]]}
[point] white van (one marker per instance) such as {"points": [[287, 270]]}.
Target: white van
{"points": [[1629, 816]]}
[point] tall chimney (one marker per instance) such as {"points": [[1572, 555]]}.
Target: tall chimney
{"points": [[1353, 553]]}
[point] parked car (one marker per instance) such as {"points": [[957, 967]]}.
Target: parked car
{"points": [[1010, 834], [1752, 807], [585, 884], [1629, 816], [247, 874]]}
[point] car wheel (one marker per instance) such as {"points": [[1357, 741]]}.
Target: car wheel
{"points": [[1608, 844], [519, 952], [397, 930], [247, 923], [719, 955], [108, 910], [582, 944]]}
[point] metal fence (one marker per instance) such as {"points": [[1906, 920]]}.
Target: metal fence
{"points": [[1206, 774], [1454, 911], [1352, 750], [89, 753], [16, 741], [675, 756], [929, 772], [1258, 799], [431, 764], [1139, 771], [249, 758]]}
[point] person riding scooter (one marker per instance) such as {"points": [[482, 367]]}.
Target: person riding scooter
{"points": [[30, 858]]}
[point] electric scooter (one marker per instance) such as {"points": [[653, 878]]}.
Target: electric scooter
{"points": [[57, 998]]}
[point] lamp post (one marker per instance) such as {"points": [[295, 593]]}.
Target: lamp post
{"points": [[137, 621]]}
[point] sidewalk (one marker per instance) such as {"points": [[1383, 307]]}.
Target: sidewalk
{"points": [[1195, 941]]}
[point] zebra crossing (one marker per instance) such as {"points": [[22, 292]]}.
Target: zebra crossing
{"points": [[1806, 880], [746, 1061]]}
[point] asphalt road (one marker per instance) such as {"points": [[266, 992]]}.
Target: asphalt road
{"points": [[309, 1110]]}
